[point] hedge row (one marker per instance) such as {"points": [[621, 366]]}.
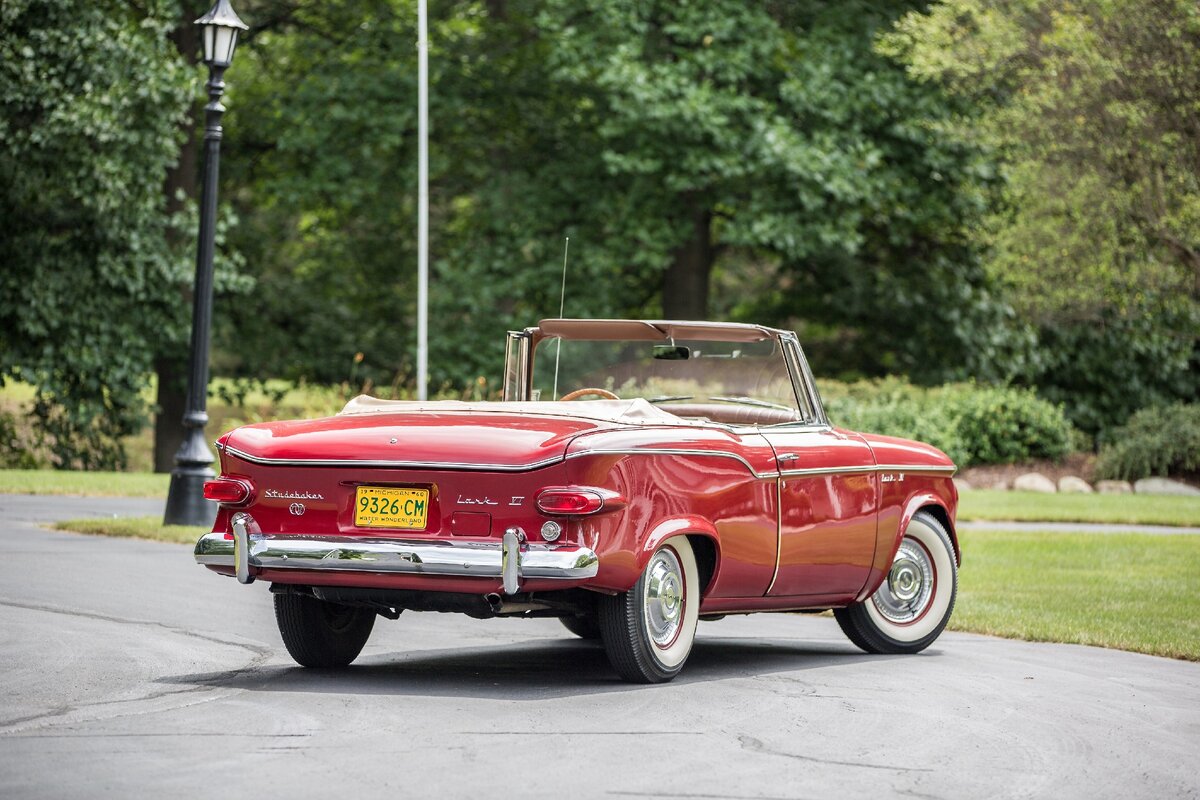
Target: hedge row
{"points": [[1161, 440], [972, 424]]}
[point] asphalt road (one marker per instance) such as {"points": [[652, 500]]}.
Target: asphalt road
{"points": [[127, 671]]}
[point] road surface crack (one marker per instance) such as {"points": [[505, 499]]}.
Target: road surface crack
{"points": [[757, 746]]}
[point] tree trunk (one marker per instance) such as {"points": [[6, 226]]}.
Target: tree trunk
{"points": [[179, 187], [685, 285], [172, 402]]}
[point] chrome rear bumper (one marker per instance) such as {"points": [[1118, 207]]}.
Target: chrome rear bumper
{"points": [[511, 559]]}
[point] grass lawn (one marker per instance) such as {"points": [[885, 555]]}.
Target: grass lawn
{"points": [[90, 484], [134, 528], [1137, 592], [1127, 509]]}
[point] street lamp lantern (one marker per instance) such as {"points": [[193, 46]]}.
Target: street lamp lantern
{"points": [[186, 504], [221, 25]]}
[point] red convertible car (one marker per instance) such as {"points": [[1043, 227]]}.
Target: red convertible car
{"points": [[701, 479]]}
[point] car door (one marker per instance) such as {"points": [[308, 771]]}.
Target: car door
{"points": [[828, 501]]}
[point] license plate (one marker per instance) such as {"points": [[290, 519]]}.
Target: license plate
{"points": [[385, 507]]}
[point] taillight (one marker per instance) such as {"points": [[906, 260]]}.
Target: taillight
{"points": [[570, 500], [228, 491]]}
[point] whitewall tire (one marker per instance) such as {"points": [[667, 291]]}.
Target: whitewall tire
{"points": [[648, 631], [913, 604]]}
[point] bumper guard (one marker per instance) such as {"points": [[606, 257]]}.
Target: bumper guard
{"points": [[512, 559]]}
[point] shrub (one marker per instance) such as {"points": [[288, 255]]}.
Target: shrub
{"points": [[972, 424], [1160, 440], [20, 445], [1002, 425]]}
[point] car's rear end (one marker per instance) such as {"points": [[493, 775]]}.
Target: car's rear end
{"points": [[421, 503]]}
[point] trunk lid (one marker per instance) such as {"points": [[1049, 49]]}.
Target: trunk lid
{"points": [[437, 440]]}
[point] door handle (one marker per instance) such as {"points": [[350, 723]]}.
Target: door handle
{"points": [[788, 456]]}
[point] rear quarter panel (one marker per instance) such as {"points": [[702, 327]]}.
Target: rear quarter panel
{"points": [[721, 486]]}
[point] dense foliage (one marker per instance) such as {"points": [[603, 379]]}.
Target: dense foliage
{"points": [[973, 189], [706, 159], [90, 102], [971, 423], [1161, 440], [1091, 108]]}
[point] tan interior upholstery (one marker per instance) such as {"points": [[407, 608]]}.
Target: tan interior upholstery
{"points": [[732, 413]]}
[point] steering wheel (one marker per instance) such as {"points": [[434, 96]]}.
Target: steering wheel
{"points": [[578, 393]]}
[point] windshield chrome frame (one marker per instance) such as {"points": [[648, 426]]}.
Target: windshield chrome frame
{"points": [[803, 385], [523, 353], [802, 380]]}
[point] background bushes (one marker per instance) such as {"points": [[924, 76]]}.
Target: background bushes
{"points": [[1160, 440], [972, 424]]}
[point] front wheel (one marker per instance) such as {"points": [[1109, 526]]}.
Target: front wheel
{"points": [[913, 604], [318, 633], [648, 631]]}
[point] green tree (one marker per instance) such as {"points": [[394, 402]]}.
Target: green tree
{"points": [[91, 97], [763, 152], [1092, 108]]}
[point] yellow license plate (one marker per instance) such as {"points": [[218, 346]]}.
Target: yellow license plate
{"points": [[385, 507]]}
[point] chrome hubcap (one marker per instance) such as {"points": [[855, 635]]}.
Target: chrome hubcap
{"points": [[906, 593], [663, 601]]}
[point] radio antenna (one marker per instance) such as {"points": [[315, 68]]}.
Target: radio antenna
{"points": [[562, 304]]}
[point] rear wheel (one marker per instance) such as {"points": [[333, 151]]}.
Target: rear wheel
{"points": [[648, 631], [585, 626], [318, 633], [913, 604]]}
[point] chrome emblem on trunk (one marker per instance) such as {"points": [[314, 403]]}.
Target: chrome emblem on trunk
{"points": [[297, 509], [476, 501]]}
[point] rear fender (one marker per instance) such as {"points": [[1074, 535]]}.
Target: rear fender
{"points": [[690, 526]]}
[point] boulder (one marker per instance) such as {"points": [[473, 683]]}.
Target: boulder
{"points": [[1163, 486], [1073, 484], [963, 485], [1034, 482], [999, 486], [1114, 487]]}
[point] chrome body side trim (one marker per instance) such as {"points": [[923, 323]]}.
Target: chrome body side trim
{"points": [[797, 473], [665, 451], [917, 470], [432, 557], [845, 470], [911, 470], [349, 462]]}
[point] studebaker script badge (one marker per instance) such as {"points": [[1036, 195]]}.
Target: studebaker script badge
{"points": [[305, 495], [891, 477]]}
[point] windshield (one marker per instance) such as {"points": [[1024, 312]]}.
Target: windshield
{"points": [[691, 378]]}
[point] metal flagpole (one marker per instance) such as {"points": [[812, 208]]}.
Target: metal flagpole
{"points": [[422, 201]]}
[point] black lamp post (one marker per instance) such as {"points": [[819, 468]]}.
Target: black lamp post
{"points": [[185, 501]]}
